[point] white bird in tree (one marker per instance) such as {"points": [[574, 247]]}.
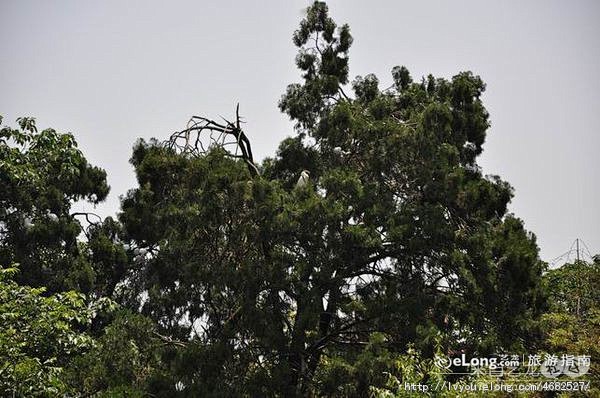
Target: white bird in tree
{"points": [[339, 151], [140, 251], [303, 180], [28, 223]]}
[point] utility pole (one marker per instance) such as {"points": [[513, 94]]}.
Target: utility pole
{"points": [[577, 240]]}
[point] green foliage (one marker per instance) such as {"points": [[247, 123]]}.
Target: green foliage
{"points": [[413, 369], [108, 258], [373, 366], [122, 362], [573, 287], [572, 325], [323, 60], [38, 337], [41, 175]]}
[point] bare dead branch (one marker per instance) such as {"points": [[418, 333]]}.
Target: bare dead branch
{"points": [[209, 134]]}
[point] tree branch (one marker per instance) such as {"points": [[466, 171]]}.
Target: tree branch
{"points": [[199, 124]]}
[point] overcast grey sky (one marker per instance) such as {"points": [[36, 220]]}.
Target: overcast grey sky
{"points": [[113, 71]]}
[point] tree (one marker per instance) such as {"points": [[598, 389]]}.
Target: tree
{"points": [[48, 332], [39, 337], [124, 361], [398, 232], [41, 175], [572, 324]]}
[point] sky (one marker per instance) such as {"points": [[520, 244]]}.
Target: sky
{"points": [[113, 71]]}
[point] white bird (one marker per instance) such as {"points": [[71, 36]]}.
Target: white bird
{"points": [[303, 180], [27, 222], [339, 151], [53, 217]]}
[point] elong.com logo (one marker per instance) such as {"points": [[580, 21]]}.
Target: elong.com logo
{"points": [[474, 362]]}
